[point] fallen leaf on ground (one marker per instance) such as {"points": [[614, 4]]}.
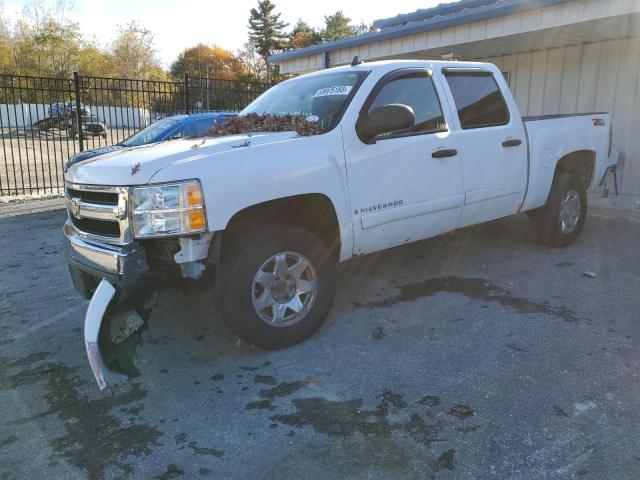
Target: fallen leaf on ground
{"points": [[462, 411]]}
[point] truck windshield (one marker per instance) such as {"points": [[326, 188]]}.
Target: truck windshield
{"points": [[321, 99]]}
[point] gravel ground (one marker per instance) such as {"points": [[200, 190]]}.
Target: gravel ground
{"points": [[472, 355]]}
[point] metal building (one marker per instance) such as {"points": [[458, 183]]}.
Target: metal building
{"points": [[560, 56]]}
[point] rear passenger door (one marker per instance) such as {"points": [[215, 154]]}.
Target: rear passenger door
{"points": [[492, 145]]}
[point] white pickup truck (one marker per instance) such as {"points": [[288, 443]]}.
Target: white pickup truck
{"points": [[405, 150]]}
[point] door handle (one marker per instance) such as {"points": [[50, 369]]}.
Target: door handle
{"points": [[511, 142], [444, 153]]}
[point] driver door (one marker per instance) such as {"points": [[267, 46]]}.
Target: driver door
{"points": [[404, 185]]}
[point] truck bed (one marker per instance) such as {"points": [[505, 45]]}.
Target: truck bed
{"points": [[550, 137], [533, 118]]}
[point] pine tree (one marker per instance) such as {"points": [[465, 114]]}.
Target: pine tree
{"points": [[266, 29], [303, 35], [337, 27]]}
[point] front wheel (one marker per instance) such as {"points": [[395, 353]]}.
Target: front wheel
{"points": [[277, 285], [560, 221]]}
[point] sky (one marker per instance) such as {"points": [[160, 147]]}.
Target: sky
{"points": [[178, 24]]}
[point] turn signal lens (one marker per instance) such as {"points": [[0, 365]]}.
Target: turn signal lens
{"points": [[196, 219], [194, 195]]}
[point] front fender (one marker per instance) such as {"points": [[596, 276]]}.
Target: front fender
{"points": [[235, 180]]}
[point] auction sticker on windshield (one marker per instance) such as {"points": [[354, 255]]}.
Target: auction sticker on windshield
{"points": [[336, 90]]}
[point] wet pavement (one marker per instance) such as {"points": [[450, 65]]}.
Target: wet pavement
{"points": [[478, 354]]}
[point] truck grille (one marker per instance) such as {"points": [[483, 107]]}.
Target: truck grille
{"points": [[97, 227], [99, 212], [103, 198]]}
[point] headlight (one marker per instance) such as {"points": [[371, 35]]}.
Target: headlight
{"points": [[171, 209]]}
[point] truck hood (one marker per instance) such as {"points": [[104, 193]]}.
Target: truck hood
{"points": [[138, 165]]}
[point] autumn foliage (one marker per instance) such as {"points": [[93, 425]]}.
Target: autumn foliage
{"points": [[264, 123]]}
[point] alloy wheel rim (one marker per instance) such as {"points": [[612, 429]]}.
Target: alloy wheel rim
{"points": [[284, 289], [570, 211]]}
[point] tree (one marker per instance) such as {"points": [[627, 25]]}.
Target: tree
{"points": [[303, 35], [6, 59], [337, 27], [42, 42], [266, 30], [45, 41], [133, 53], [253, 63], [95, 61], [205, 61], [362, 28]]}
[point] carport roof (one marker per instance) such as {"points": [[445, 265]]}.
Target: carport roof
{"points": [[424, 20]]}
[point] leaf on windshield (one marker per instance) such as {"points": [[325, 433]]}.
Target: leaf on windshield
{"points": [[264, 123]]}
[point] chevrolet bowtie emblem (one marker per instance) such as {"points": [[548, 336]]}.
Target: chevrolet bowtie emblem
{"points": [[74, 207]]}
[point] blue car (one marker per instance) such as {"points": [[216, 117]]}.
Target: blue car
{"points": [[169, 128]]}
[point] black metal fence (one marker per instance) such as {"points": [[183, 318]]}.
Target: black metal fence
{"points": [[43, 121]]}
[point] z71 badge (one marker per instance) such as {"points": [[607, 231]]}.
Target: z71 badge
{"points": [[380, 206]]}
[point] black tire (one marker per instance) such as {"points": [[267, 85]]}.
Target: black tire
{"points": [[547, 220], [241, 262]]}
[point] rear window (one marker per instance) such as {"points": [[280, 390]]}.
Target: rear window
{"points": [[478, 99]]}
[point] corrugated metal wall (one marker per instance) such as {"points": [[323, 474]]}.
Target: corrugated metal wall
{"points": [[602, 76]]}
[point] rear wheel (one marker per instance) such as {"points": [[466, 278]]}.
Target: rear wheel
{"points": [[277, 285], [560, 221]]}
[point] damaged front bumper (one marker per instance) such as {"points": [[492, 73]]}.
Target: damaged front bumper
{"points": [[123, 266], [103, 272]]}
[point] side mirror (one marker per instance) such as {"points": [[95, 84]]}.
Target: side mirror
{"points": [[386, 119]]}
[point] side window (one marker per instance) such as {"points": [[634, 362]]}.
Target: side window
{"points": [[478, 100], [418, 92]]}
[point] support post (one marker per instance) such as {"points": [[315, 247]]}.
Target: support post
{"points": [[186, 94], [76, 87]]}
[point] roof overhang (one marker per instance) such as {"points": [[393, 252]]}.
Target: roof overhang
{"points": [[495, 10], [545, 24]]}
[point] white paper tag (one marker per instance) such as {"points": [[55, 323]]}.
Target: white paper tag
{"points": [[329, 91]]}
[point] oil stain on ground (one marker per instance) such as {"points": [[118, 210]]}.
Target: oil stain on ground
{"points": [[172, 471], [345, 418], [444, 461], [94, 439], [475, 289], [282, 390]]}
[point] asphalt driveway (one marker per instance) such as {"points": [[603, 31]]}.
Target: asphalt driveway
{"points": [[477, 354]]}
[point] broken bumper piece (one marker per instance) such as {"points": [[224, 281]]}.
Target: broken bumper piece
{"points": [[92, 323]]}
